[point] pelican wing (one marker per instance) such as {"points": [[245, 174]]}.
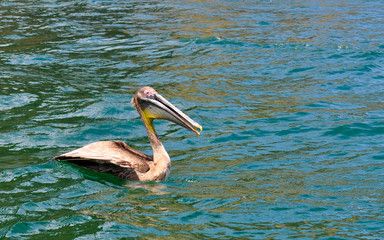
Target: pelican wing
{"points": [[107, 154]]}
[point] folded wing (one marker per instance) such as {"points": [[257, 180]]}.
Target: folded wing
{"points": [[108, 156]]}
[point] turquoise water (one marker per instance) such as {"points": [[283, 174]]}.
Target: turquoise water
{"points": [[289, 95]]}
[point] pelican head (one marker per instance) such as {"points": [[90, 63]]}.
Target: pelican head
{"points": [[151, 105]]}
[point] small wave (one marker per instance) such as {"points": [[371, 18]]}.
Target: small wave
{"points": [[16, 100]]}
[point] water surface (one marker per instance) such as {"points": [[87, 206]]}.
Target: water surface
{"points": [[289, 95]]}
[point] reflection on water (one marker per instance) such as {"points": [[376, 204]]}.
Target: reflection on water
{"points": [[289, 94]]}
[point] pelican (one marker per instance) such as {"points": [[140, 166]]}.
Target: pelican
{"points": [[117, 158]]}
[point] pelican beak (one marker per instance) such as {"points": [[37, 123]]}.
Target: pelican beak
{"points": [[157, 107]]}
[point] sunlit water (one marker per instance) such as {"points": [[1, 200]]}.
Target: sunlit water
{"points": [[290, 96]]}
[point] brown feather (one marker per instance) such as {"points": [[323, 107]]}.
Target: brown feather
{"points": [[109, 152]]}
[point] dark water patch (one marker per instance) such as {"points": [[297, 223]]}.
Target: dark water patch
{"points": [[369, 55], [296, 70], [356, 130]]}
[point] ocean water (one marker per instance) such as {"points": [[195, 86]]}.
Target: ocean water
{"points": [[289, 93]]}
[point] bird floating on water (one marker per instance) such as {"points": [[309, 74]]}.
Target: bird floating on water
{"points": [[119, 159]]}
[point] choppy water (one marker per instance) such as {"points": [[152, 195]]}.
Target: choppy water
{"points": [[290, 95]]}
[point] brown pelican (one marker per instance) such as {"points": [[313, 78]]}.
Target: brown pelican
{"points": [[117, 158]]}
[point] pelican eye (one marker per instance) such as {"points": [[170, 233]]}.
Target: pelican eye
{"points": [[149, 94]]}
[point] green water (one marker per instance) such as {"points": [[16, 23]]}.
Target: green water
{"points": [[290, 96]]}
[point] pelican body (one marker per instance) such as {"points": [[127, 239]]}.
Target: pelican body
{"points": [[119, 159]]}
